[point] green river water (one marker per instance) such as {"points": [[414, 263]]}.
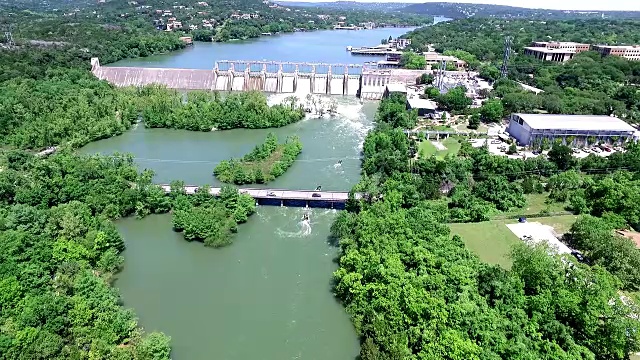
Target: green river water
{"points": [[268, 295]]}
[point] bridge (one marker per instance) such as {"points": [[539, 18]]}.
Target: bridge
{"points": [[266, 76], [278, 197]]}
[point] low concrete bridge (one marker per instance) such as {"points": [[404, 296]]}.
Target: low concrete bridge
{"points": [[277, 197]]}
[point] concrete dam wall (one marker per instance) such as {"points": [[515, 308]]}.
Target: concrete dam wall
{"points": [[270, 77]]}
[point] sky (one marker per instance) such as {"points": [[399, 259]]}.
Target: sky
{"points": [[540, 4]]}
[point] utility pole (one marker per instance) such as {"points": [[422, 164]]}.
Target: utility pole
{"points": [[507, 52], [8, 37], [440, 82]]}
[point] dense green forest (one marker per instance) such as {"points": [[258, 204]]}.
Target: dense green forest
{"points": [[65, 106], [211, 219], [140, 20], [72, 107], [205, 111], [588, 84], [415, 292], [484, 38], [412, 290], [59, 251], [264, 163], [455, 10]]}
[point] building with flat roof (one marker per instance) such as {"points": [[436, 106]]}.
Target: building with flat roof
{"points": [[557, 55], [433, 58], [423, 106], [531, 129], [562, 45], [629, 52], [394, 88]]}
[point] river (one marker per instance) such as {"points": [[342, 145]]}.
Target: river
{"points": [[268, 295]]}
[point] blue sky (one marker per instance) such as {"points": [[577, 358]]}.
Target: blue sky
{"points": [[541, 4]]}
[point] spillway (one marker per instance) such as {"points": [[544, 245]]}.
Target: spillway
{"points": [[337, 85], [304, 87], [222, 83], [238, 83], [320, 85], [271, 77], [256, 83], [353, 84], [287, 84], [271, 84]]}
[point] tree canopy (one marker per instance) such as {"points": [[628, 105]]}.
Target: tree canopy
{"points": [[415, 292], [264, 163], [587, 84]]}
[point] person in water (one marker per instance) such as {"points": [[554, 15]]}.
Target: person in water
{"points": [[339, 162], [305, 217]]}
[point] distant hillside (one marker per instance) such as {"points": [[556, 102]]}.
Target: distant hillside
{"points": [[462, 10], [347, 5]]}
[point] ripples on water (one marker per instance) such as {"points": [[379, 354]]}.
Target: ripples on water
{"points": [[295, 226], [349, 119]]}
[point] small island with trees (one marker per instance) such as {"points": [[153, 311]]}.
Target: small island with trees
{"points": [[264, 163], [209, 219], [208, 111]]}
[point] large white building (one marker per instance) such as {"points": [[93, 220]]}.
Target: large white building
{"points": [[530, 129]]}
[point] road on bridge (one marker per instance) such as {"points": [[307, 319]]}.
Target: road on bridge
{"points": [[335, 196]]}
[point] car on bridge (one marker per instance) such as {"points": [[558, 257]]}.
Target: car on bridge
{"points": [[271, 193], [316, 195]]}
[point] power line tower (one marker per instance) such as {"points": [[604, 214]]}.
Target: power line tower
{"points": [[441, 72], [507, 52], [8, 37]]}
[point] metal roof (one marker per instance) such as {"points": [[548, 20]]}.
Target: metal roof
{"points": [[550, 51], [575, 122], [417, 103]]}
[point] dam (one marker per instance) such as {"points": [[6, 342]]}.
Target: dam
{"points": [[266, 76]]}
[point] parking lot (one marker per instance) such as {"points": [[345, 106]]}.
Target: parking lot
{"points": [[498, 147]]}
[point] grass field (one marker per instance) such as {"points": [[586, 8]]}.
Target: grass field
{"points": [[426, 148], [535, 204], [492, 240]]}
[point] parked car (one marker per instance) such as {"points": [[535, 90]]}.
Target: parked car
{"points": [[536, 152], [496, 142], [596, 150], [271, 193], [575, 150], [316, 195]]}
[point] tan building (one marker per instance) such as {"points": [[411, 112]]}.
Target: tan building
{"points": [[435, 58], [630, 52], [562, 45], [556, 55]]}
